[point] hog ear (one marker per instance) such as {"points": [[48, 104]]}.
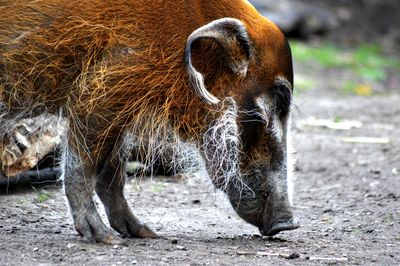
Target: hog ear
{"points": [[232, 37]]}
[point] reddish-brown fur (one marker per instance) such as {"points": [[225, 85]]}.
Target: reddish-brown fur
{"points": [[107, 61], [115, 66]]}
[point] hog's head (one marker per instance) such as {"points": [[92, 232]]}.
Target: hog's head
{"points": [[249, 87]]}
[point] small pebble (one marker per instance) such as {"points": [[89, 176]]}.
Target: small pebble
{"points": [[181, 247], [290, 256], [196, 201]]}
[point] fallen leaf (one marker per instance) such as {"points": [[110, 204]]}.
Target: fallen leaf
{"points": [[367, 140], [363, 90], [331, 124], [267, 253], [245, 253], [328, 258]]}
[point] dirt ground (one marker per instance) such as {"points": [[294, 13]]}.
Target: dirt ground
{"points": [[347, 199]]}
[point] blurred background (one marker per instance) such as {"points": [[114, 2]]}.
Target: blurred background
{"points": [[361, 37]]}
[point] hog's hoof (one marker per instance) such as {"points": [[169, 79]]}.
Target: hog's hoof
{"points": [[132, 228], [98, 232], [146, 232], [278, 227], [111, 239]]}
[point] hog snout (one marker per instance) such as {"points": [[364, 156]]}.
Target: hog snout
{"points": [[278, 217], [271, 214], [268, 208], [274, 226]]}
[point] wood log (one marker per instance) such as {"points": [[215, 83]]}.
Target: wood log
{"points": [[39, 176], [29, 141]]}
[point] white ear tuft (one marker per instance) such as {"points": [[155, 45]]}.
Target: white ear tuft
{"points": [[229, 33], [197, 84]]}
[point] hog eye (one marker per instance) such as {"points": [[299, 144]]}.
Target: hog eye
{"points": [[282, 94]]}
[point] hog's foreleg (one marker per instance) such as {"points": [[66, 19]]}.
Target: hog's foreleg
{"points": [[79, 184], [110, 189]]}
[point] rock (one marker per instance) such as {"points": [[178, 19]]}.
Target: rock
{"points": [[290, 256], [297, 19], [181, 248]]}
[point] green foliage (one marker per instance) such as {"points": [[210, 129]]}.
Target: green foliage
{"points": [[327, 55], [22, 202], [356, 233], [43, 196], [349, 87], [367, 61], [370, 64], [157, 188], [338, 119], [389, 219]]}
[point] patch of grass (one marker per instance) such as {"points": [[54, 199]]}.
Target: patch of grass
{"points": [[326, 55], [367, 59], [356, 233], [157, 188], [338, 119], [22, 202], [367, 62], [43, 196], [389, 219]]}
